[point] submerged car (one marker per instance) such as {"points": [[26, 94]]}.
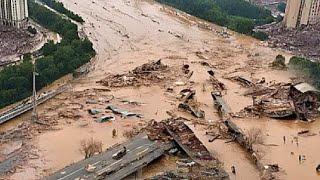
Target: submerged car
{"points": [[120, 154]]}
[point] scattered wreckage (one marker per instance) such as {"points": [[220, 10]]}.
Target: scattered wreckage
{"points": [[306, 100], [216, 84], [302, 41], [105, 119], [240, 137], [242, 81], [284, 101], [221, 106], [175, 129], [16, 42], [123, 113], [146, 74], [189, 104]]}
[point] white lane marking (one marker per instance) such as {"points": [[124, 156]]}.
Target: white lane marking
{"points": [[102, 170], [77, 171], [71, 174], [141, 152]]}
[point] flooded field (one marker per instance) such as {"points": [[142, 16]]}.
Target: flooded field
{"points": [[129, 33]]}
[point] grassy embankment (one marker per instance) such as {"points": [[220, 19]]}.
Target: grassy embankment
{"points": [[237, 15]]}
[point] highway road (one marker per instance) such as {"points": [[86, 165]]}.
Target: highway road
{"points": [[140, 151], [24, 107]]}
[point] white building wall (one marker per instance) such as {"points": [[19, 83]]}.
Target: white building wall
{"points": [[315, 12], [305, 14], [292, 13], [302, 12], [13, 12]]}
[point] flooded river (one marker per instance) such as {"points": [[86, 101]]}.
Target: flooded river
{"points": [[128, 33]]}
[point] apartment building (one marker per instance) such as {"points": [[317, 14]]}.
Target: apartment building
{"points": [[302, 12], [13, 12]]}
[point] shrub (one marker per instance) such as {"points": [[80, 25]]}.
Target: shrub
{"points": [[260, 35]]}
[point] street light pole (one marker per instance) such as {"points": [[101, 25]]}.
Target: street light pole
{"points": [[34, 93]]}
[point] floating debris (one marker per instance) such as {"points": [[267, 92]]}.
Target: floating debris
{"points": [[123, 113], [146, 74], [94, 111], [92, 101], [242, 81], [105, 119], [192, 109], [136, 103]]}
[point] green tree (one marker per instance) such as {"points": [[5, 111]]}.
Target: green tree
{"points": [[282, 7]]}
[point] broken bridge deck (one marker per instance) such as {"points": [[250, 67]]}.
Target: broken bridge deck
{"points": [[140, 152]]}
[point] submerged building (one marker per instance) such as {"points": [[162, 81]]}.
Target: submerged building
{"points": [[13, 12], [302, 12]]}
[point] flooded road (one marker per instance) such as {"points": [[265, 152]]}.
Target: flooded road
{"points": [[128, 33]]}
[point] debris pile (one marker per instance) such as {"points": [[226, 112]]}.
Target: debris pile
{"points": [[27, 129], [175, 129], [242, 81], [272, 108], [157, 131], [283, 101], [216, 84], [69, 114], [306, 100], [23, 151], [189, 103], [123, 113], [302, 41], [15, 41], [154, 72], [187, 140], [220, 105]]}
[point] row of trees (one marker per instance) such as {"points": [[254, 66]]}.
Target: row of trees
{"points": [[309, 68], [57, 61], [58, 6], [238, 15]]}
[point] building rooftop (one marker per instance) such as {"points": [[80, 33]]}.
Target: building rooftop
{"points": [[305, 87]]}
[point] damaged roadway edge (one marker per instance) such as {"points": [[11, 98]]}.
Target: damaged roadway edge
{"points": [[159, 138], [239, 136]]}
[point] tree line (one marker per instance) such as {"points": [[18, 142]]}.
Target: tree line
{"points": [[57, 60], [58, 6], [238, 15]]}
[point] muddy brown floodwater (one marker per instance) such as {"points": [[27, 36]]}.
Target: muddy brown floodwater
{"points": [[128, 33]]}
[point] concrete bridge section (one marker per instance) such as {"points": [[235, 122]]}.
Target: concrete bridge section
{"points": [[27, 106], [140, 152]]}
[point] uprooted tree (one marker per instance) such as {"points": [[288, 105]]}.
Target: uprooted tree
{"points": [[89, 147], [255, 136]]}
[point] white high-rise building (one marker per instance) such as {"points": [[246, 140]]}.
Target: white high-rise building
{"points": [[302, 12], [13, 12]]}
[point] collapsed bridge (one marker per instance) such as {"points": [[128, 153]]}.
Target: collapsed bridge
{"points": [[142, 150]]}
